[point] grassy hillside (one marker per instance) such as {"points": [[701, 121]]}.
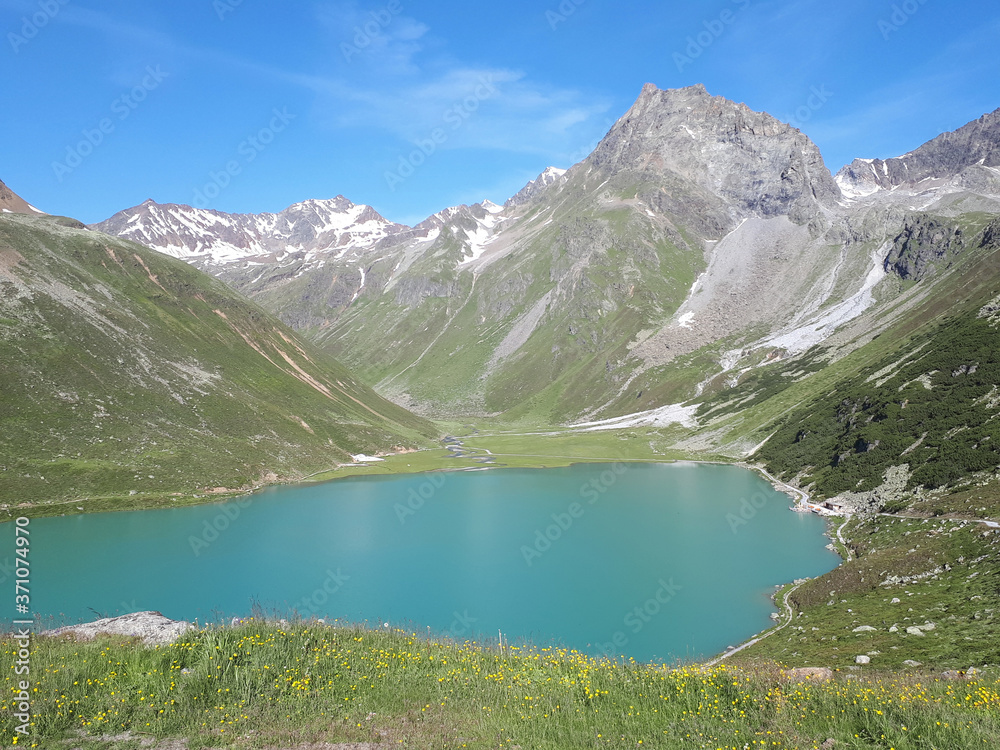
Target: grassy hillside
{"points": [[539, 335], [918, 592], [128, 373], [923, 394], [264, 685], [748, 409], [935, 409]]}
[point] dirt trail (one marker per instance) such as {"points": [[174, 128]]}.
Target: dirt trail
{"points": [[790, 614]]}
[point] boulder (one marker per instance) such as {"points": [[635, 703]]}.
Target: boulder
{"points": [[150, 627], [864, 629], [912, 663], [862, 660], [914, 630]]}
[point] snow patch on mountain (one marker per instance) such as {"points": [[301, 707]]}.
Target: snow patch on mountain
{"points": [[534, 188], [804, 337], [314, 228], [479, 238], [855, 190], [681, 414]]}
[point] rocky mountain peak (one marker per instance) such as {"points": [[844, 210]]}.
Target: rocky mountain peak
{"points": [[208, 238], [975, 146], [756, 163], [534, 188]]}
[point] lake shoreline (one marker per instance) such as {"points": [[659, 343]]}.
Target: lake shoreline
{"points": [[655, 508], [160, 501]]}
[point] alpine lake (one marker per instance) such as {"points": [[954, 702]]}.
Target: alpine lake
{"points": [[669, 562]]}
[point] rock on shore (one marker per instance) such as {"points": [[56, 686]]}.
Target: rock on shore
{"points": [[151, 627]]}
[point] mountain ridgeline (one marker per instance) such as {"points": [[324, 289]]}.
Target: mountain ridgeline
{"points": [[702, 272]]}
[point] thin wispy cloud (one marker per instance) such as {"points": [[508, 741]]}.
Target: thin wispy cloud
{"points": [[486, 108], [386, 71], [380, 39], [369, 80]]}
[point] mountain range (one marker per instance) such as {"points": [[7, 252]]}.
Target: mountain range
{"points": [[698, 241], [700, 286], [701, 281]]}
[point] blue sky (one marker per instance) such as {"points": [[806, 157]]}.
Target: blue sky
{"points": [[248, 106]]}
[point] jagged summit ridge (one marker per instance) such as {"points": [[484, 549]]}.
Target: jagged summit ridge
{"points": [[975, 145], [760, 165], [213, 237], [534, 188]]}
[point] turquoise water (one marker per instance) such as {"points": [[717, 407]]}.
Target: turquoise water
{"points": [[651, 561]]}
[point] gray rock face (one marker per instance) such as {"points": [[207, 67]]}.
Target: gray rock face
{"points": [[924, 247], [991, 235], [151, 627], [976, 144], [760, 165], [537, 187]]}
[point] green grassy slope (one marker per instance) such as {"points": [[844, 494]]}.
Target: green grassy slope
{"points": [[928, 399], [593, 267], [904, 572], [125, 372], [792, 390], [937, 411], [305, 685]]}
